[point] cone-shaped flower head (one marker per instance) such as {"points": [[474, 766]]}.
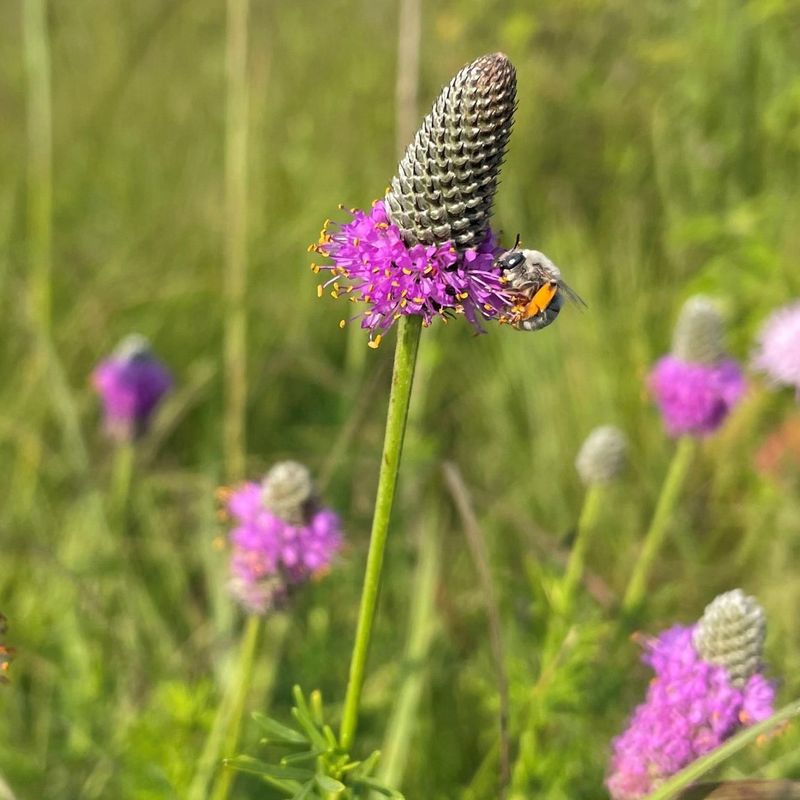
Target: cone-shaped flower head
{"points": [[693, 704], [427, 249], [731, 633], [778, 347], [131, 384], [602, 455], [446, 181], [282, 536], [697, 385]]}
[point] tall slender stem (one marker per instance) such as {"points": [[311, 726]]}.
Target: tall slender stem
{"points": [[408, 331], [587, 523], [422, 627], [40, 162], [236, 238], [659, 525]]}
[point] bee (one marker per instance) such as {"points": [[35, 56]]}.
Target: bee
{"points": [[536, 288]]}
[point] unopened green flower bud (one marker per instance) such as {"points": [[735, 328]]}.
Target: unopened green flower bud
{"points": [[699, 335], [288, 492], [731, 634], [602, 455], [446, 181]]}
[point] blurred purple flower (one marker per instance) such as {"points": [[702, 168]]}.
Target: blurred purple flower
{"points": [[697, 385], [272, 554], [131, 383], [695, 398], [778, 347], [394, 279], [692, 704]]}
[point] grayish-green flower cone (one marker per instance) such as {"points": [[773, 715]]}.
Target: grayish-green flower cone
{"points": [[288, 492], [133, 346], [602, 455], [731, 634], [445, 183], [699, 335]]}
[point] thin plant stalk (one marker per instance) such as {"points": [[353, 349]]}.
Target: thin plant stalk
{"points": [[121, 477], [224, 735], [587, 525], [40, 162], [659, 525], [422, 627], [408, 332], [235, 283]]}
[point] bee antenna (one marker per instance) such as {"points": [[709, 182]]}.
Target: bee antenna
{"points": [[517, 241]]}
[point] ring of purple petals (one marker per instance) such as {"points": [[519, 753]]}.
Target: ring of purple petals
{"points": [[372, 264]]}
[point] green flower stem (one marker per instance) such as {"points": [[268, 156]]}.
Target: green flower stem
{"points": [[235, 284], [713, 759], [659, 525], [224, 734], [422, 626], [36, 48], [121, 476], [587, 524], [408, 331]]}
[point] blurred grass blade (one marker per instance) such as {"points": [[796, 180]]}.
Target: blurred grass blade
{"points": [[743, 790], [708, 762], [278, 733]]}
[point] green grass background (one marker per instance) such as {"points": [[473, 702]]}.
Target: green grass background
{"points": [[656, 154]]}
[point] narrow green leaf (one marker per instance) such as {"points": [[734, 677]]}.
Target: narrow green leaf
{"points": [[278, 733], [330, 785], [713, 759], [377, 786], [367, 766], [306, 792], [317, 711], [307, 724], [299, 758], [256, 767]]}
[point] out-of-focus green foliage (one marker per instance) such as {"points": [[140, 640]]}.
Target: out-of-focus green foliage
{"points": [[656, 153]]}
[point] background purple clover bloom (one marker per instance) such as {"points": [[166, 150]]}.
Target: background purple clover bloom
{"points": [[778, 349], [427, 280], [130, 387], [695, 398], [270, 554], [690, 709]]}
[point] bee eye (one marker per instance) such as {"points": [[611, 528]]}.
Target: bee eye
{"points": [[514, 260]]}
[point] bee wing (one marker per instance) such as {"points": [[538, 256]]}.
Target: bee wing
{"points": [[573, 296]]}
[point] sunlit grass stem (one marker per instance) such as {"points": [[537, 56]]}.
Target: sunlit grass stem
{"points": [[422, 626], [587, 524], [39, 162], [408, 331], [659, 524], [235, 280]]}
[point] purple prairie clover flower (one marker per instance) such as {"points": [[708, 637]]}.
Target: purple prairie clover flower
{"points": [[393, 279], [695, 399], [707, 685], [427, 248], [778, 347], [131, 384], [697, 385], [277, 546]]}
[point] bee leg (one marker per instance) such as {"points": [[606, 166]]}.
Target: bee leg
{"points": [[541, 300]]}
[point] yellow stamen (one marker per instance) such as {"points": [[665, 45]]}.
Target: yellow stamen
{"points": [[375, 343], [342, 323], [319, 291]]}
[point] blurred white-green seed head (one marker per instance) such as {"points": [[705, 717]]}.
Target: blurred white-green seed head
{"points": [[602, 456], [699, 335], [288, 491], [731, 633]]}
